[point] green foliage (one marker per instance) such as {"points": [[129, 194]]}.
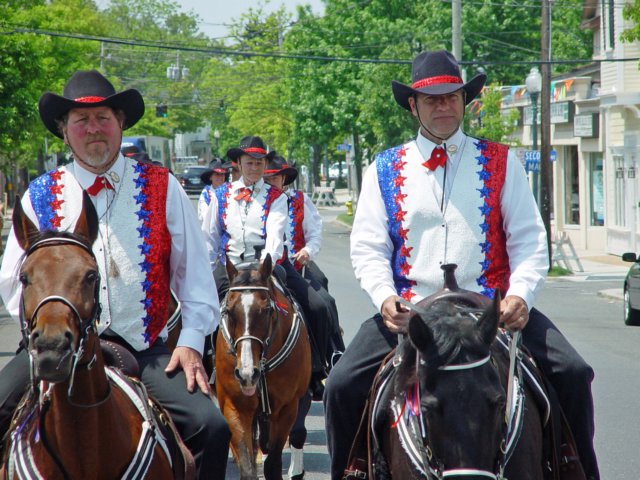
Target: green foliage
{"points": [[302, 107], [492, 123]]}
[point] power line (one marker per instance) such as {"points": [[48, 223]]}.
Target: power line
{"points": [[292, 56]]}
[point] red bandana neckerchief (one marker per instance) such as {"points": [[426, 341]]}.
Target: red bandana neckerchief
{"points": [[99, 183]]}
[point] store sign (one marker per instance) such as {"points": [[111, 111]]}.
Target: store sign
{"points": [[586, 125], [561, 112]]}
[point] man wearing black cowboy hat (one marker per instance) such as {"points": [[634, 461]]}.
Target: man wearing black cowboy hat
{"points": [[448, 198], [149, 244]]}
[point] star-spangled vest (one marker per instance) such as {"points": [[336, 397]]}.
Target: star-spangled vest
{"points": [[468, 233], [235, 238], [207, 193], [138, 239], [295, 235]]}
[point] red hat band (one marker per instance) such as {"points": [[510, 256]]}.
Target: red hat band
{"points": [[90, 99], [254, 150], [427, 82]]}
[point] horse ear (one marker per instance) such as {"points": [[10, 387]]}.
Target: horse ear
{"points": [[420, 333], [24, 229], [232, 271], [266, 267], [87, 224], [488, 323]]}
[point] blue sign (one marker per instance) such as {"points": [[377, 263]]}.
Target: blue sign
{"points": [[345, 147], [532, 161], [553, 156]]}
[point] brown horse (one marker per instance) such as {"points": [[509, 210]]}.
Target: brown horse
{"points": [[263, 366], [78, 420]]}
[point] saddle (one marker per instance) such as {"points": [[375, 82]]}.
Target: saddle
{"points": [[366, 461]]}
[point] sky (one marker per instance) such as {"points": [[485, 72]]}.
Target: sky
{"points": [[216, 14]]}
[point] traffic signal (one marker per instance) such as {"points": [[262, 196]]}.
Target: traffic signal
{"points": [[161, 111]]}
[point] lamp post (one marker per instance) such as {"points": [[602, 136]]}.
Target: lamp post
{"points": [[216, 135], [534, 86]]}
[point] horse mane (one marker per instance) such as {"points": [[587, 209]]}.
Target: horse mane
{"points": [[454, 336]]}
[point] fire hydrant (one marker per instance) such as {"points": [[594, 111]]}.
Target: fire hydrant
{"points": [[349, 205]]}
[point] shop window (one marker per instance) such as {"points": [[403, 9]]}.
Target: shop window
{"points": [[571, 188], [596, 190]]}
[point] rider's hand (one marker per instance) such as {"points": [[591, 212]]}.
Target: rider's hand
{"points": [[397, 321], [191, 362], [302, 257], [514, 312]]}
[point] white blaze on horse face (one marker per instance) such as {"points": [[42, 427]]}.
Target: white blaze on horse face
{"points": [[246, 355]]}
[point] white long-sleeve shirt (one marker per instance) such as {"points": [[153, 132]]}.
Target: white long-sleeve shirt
{"points": [[190, 279], [244, 224], [372, 248]]}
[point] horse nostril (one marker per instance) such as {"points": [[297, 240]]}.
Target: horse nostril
{"points": [[237, 374]]}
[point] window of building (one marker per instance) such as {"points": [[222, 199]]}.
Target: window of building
{"points": [[596, 190], [571, 187]]}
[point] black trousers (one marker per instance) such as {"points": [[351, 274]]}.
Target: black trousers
{"points": [[349, 382], [200, 423]]}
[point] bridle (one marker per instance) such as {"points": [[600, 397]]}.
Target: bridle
{"points": [[84, 325], [264, 344], [424, 459], [265, 365]]}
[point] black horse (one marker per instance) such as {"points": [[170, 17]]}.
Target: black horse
{"points": [[442, 410]]}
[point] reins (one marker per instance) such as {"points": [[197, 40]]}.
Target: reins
{"points": [[265, 365]]}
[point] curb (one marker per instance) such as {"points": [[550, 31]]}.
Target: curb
{"points": [[612, 294]]}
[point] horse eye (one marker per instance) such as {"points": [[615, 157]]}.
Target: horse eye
{"points": [[91, 276], [24, 280]]}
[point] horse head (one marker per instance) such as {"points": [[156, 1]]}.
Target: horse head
{"points": [[248, 321], [60, 282], [451, 384]]}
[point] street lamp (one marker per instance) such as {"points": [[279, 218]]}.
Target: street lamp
{"points": [[216, 135], [534, 87]]}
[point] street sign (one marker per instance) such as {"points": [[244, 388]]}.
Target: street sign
{"points": [[553, 156], [532, 160], [345, 147]]}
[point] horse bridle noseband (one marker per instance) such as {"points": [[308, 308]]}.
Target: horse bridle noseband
{"points": [[84, 325], [264, 344]]}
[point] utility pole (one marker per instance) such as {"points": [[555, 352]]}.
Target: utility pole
{"points": [[546, 179], [456, 29]]}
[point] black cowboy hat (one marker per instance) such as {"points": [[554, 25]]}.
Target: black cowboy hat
{"points": [[88, 88], [216, 166], [436, 73], [278, 166], [252, 146]]}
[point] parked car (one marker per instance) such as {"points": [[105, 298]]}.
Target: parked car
{"points": [[335, 171], [631, 290], [190, 178]]}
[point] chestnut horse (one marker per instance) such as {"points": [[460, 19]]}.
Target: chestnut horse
{"points": [[446, 412], [263, 366], [78, 420]]}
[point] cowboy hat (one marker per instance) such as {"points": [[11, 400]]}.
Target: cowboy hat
{"points": [[278, 166], [252, 146], [215, 166], [436, 73], [88, 88]]}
